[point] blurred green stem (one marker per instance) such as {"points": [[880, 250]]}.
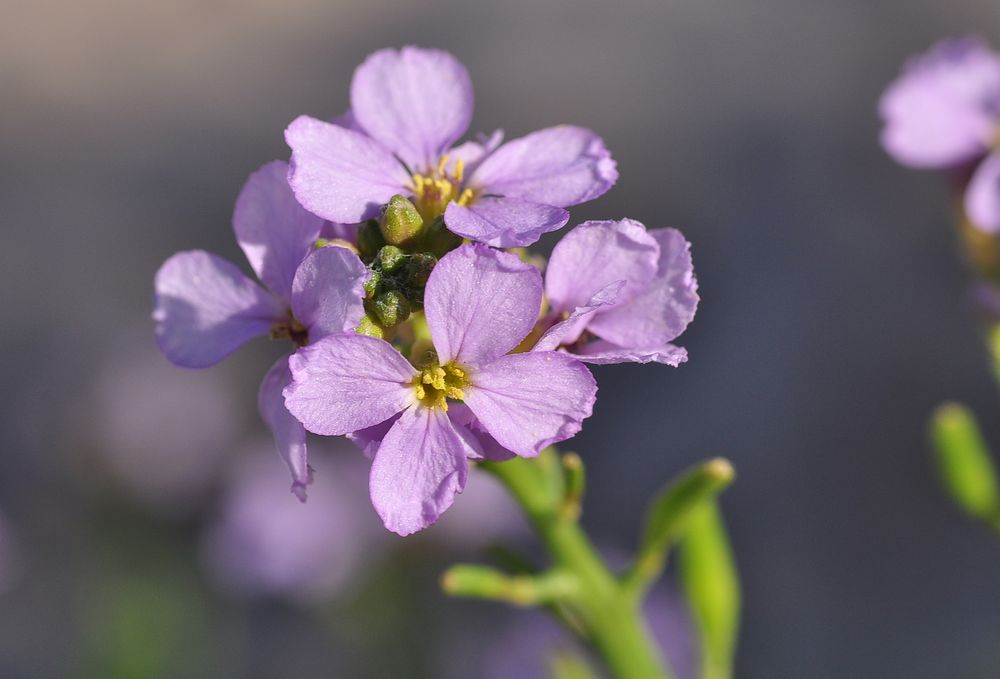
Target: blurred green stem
{"points": [[600, 603]]}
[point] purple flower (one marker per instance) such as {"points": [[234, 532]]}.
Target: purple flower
{"points": [[479, 305], [408, 108], [944, 112], [263, 542], [205, 308], [620, 293]]}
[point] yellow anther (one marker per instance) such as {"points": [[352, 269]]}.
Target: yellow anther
{"points": [[459, 170], [441, 165], [435, 384], [466, 197]]}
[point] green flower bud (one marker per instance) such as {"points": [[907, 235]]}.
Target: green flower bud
{"points": [[369, 326], [401, 224], [373, 282], [391, 258], [370, 240], [391, 308], [419, 268], [439, 239]]}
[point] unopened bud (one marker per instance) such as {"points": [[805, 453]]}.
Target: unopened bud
{"points": [[439, 239], [369, 326], [419, 268], [401, 223], [391, 258], [370, 240], [391, 308], [371, 285]]}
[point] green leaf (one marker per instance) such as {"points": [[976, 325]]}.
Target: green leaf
{"points": [[669, 512], [711, 585], [964, 463]]}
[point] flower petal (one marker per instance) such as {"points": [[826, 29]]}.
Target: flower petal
{"points": [[529, 401], [419, 468], [595, 254], [344, 383], [982, 197], [664, 309], [569, 330], [465, 422], [473, 153], [480, 303], [289, 434], [340, 174], [205, 309], [562, 166], [943, 110], [504, 222], [275, 232], [602, 353], [417, 102], [370, 438], [328, 291]]}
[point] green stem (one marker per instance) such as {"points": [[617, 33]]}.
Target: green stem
{"points": [[611, 618]]}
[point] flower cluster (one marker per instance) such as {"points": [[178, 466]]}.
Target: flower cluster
{"points": [[393, 261], [943, 112]]}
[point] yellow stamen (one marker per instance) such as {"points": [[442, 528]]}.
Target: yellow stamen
{"points": [[435, 384], [434, 190]]}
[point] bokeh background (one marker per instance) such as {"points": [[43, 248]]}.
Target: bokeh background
{"points": [[835, 316]]}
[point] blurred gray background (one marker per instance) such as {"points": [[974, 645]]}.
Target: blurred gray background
{"points": [[834, 312]]}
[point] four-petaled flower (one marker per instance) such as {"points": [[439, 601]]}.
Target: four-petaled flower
{"points": [[620, 293], [479, 304], [944, 112], [205, 308], [408, 107]]}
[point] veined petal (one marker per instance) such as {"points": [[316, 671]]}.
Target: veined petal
{"points": [[595, 254], [289, 434], [480, 303], [982, 197], [417, 102], [529, 401], [347, 382], [568, 331], [944, 109], [340, 174], [473, 153], [465, 422], [205, 309], [562, 166], [664, 309], [275, 232], [602, 353], [504, 222], [370, 438], [328, 290], [418, 469]]}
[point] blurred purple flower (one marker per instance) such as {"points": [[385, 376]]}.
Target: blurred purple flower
{"points": [[263, 542], [206, 308], [527, 649], [479, 304], [622, 292], [408, 107], [944, 112], [162, 433]]}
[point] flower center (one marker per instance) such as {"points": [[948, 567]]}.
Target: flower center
{"points": [[433, 191], [435, 384], [291, 330]]}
